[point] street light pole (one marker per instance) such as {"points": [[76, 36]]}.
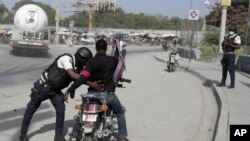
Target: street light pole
{"points": [[190, 32], [57, 19]]}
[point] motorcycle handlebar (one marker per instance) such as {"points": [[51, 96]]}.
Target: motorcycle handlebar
{"points": [[125, 80], [119, 85]]}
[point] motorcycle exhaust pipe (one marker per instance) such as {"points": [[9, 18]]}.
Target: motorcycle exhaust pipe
{"points": [[99, 134]]}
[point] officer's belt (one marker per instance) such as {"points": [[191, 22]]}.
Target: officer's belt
{"points": [[229, 52]]}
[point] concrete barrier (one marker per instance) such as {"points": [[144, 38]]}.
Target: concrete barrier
{"points": [[185, 53], [243, 63]]}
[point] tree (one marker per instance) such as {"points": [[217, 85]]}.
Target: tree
{"points": [[237, 15], [5, 15], [120, 19]]}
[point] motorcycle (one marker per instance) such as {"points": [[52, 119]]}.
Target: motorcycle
{"points": [[172, 63], [95, 120]]}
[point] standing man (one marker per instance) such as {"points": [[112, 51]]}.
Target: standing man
{"points": [[121, 47], [55, 78], [230, 44], [101, 68]]}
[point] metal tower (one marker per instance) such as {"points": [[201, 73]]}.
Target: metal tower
{"points": [[93, 5]]}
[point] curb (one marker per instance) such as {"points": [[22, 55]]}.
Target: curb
{"points": [[221, 128]]}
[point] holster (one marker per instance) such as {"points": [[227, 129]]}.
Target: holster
{"points": [[35, 96], [223, 61]]}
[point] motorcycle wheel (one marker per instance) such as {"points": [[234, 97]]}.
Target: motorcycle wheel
{"points": [[174, 68], [170, 68], [78, 137], [89, 138]]}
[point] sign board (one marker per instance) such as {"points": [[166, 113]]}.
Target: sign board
{"points": [[71, 24], [226, 2], [193, 15]]}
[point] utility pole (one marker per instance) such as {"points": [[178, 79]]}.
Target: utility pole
{"points": [[190, 32], [90, 18], [222, 26], [57, 19], [93, 5], [224, 4]]}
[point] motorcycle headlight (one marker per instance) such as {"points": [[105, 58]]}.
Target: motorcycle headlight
{"points": [[79, 107]]}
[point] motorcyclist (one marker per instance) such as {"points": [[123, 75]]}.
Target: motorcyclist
{"points": [[173, 51], [122, 45], [101, 67], [55, 78]]}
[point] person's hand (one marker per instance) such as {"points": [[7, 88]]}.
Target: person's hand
{"points": [[66, 95], [96, 85]]}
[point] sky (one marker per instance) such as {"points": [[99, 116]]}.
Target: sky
{"points": [[171, 8]]}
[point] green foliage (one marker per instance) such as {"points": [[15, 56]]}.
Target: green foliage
{"points": [[236, 15], [209, 52], [212, 37], [2, 9], [5, 15], [120, 19]]}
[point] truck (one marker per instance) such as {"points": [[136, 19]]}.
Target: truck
{"points": [[30, 31]]}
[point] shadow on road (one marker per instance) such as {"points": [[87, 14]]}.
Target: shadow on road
{"points": [[32, 54], [247, 84], [48, 127], [209, 82], [13, 119]]}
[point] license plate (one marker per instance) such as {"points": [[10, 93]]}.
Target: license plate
{"points": [[89, 117]]}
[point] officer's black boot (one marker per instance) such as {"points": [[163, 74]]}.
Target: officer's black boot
{"points": [[231, 85], [23, 137], [59, 138], [221, 85]]}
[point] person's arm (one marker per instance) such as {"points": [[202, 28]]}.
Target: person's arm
{"points": [[232, 45], [73, 87], [83, 79], [236, 44], [66, 63], [72, 74]]}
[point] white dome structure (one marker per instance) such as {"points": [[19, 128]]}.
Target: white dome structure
{"points": [[31, 18]]}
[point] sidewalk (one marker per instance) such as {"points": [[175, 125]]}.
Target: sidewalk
{"points": [[233, 104]]}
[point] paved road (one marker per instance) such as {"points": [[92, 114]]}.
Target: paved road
{"points": [[233, 103], [160, 105]]}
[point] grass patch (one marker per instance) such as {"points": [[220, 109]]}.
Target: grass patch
{"points": [[209, 53]]}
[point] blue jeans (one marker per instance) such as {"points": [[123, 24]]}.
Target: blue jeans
{"points": [[116, 106], [228, 65], [57, 100]]}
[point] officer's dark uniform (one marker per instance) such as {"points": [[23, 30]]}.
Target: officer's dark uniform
{"points": [[49, 86], [228, 60]]}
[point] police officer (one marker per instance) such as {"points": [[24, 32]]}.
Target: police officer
{"points": [[229, 46], [101, 68], [56, 77]]}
